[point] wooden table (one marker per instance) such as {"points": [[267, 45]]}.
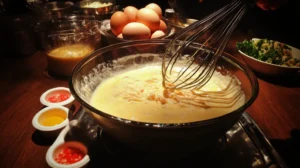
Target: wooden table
{"points": [[276, 110]]}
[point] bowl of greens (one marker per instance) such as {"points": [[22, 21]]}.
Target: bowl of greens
{"points": [[269, 57]]}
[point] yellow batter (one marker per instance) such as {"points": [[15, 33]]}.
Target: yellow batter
{"points": [[138, 95]]}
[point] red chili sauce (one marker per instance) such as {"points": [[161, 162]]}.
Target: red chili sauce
{"points": [[58, 98], [69, 155]]}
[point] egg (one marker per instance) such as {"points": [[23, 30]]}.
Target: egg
{"points": [[120, 36], [157, 34], [136, 31], [149, 18], [162, 26], [131, 11], [156, 8], [117, 22]]}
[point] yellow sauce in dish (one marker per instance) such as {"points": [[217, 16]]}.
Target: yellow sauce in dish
{"points": [[62, 60], [138, 95], [52, 117]]}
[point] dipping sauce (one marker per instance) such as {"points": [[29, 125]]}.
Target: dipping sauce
{"points": [[52, 117], [138, 94], [62, 60], [58, 98], [69, 155]]}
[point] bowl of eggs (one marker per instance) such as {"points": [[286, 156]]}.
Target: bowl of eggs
{"points": [[136, 24], [120, 86]]}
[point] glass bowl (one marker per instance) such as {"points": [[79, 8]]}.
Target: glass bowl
{"points": [[66, 41], [163, 139], [109, 38]]}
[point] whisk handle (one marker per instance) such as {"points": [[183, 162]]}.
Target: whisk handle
{"points": [[250, 3]]}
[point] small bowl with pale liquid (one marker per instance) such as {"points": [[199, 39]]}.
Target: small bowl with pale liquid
{"points": [[51, 120]]}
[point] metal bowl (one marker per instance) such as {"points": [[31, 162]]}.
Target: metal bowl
{"points": [[163, 139], [269, 69], [102, 8]]}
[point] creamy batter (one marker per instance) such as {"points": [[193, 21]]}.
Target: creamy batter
{"points": [[138, 94]]}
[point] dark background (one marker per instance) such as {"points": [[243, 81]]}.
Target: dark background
{"points": [[281, 24]]}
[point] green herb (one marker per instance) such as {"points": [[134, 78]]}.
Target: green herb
{"points": [[259, 44], [264, 50], [248, 48]]}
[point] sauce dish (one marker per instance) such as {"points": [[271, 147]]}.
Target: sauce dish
{"points": [[51, 120], [57, 96], [77, 157]]}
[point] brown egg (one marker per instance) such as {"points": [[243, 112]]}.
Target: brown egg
{"points": [[156, 8], [120, 36], [162, 26], [131, 11], [117, 22], [149, 18], [136, 31], [157, 34]]}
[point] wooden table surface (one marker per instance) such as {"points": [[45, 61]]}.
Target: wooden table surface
{"points": [[276, 111]]}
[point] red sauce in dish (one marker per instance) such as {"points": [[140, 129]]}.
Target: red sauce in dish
{"points": [[69, 155], [58, 98]]}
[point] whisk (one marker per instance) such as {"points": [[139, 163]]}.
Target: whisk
{"points": [[197, 68]]}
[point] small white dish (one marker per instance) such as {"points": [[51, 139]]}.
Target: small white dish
{"points": [[59, 144], [51, 120], [44, 99]]}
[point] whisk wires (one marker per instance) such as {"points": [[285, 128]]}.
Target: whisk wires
{"points": [[197, 68]]}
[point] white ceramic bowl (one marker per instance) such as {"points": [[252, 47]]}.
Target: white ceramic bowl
{"points": [[58, 90], [58, 144], [50, 131], [268, 68]]}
